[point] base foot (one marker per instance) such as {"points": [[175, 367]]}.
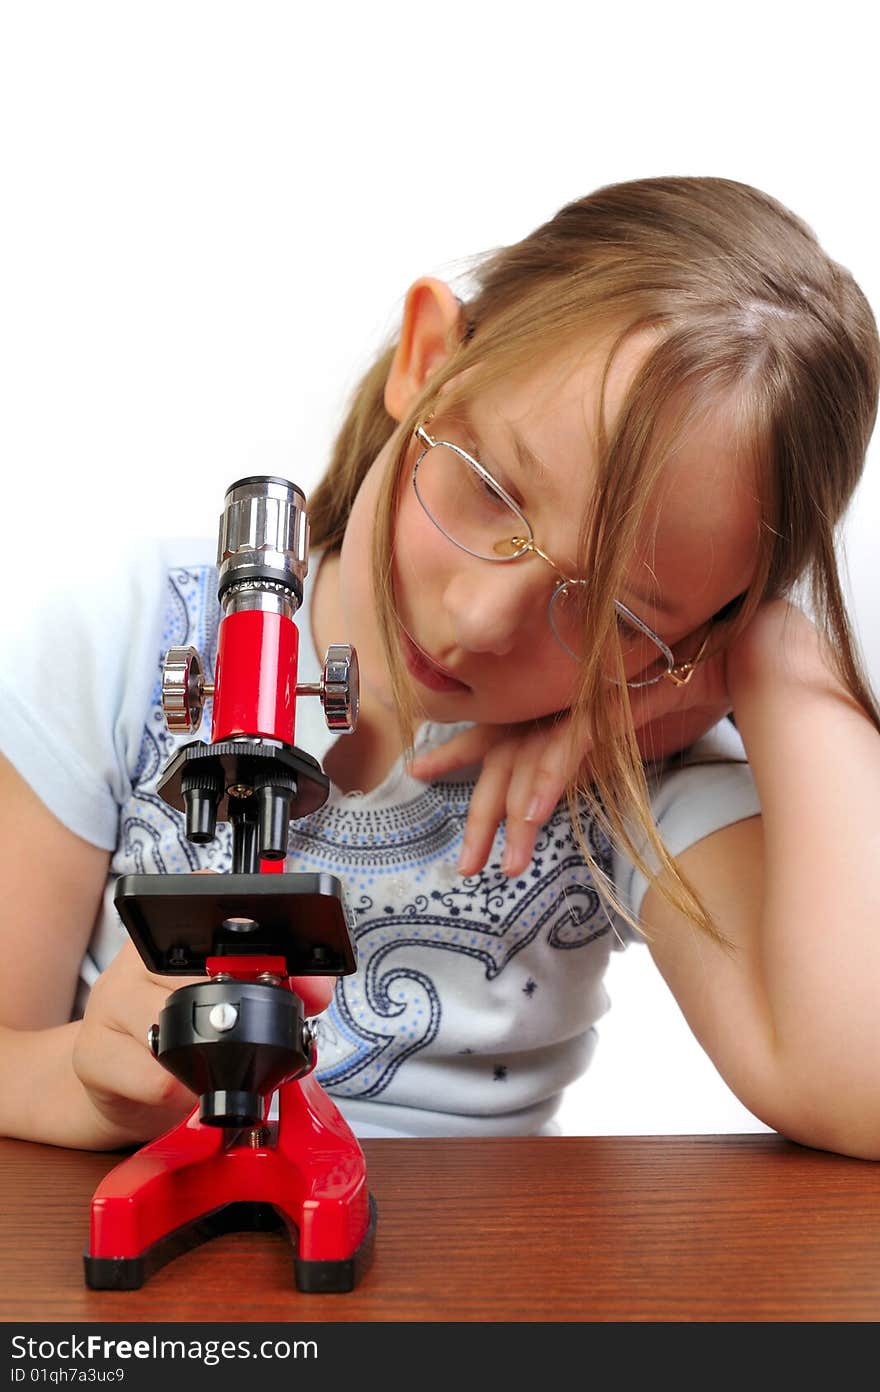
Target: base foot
{"points": [[317, 1277]]}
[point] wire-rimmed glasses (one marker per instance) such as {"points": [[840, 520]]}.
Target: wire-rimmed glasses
{"points": [[475, 512]]}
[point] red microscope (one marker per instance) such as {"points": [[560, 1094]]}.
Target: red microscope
{"points": [[239, 1040]]}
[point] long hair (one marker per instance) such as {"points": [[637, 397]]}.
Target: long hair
{"points": [[752, 317]]}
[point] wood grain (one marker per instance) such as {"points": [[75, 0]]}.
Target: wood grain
{"points": [[526, 1229]]}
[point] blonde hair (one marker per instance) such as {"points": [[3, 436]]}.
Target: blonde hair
{"points": [[754, 318]]}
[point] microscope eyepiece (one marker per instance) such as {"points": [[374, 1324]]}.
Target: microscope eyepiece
{"points": [[263, 544]]}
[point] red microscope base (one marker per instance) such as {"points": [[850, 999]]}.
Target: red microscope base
{"points": [[305, 1175]]}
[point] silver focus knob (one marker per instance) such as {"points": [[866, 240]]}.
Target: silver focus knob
{"points": [[339, 688], [340, 693], [184, 690]]}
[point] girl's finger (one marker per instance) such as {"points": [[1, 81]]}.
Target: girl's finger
{"points": [[315, 992], [541, 772], [538, 778], [127, 998], [487, 805], [116, 1067], [519, 845], [469, 747]]}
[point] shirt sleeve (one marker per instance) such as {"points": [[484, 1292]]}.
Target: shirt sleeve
{"points": [[77, 669], [708, 787]]}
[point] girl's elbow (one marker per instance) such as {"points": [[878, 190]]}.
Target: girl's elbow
{"points": [[839, 1123]]}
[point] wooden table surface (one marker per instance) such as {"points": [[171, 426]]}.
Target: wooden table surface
{"points": [[526, 1229]]}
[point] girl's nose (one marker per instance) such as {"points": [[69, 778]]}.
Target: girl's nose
{"points": [[491, 608]]}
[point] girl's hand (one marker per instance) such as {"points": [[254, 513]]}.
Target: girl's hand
{"points": [[526, 767], [133, 1096]]}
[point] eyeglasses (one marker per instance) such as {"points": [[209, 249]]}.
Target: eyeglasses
{"points": [[477, 514]]}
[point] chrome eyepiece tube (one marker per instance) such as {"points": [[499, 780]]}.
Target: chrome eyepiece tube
{"points": [[263, 546]]}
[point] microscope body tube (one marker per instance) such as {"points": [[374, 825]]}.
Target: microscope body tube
{"points": [[255, 676]]}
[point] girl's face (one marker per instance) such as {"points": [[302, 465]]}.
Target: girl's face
{"points": [[486, 624]]}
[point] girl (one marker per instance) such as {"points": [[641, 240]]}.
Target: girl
{"points": [[563, 524]]}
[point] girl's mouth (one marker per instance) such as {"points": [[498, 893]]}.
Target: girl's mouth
{"points": [[425, 671]]}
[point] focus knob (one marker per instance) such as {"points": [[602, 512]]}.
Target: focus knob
{"points": [[338, 688], [184, 690]]}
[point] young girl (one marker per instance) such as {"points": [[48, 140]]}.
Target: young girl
{"points": [[563, 525]]}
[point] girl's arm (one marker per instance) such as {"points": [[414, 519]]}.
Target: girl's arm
{"points": [[790, 1017], [52, 882], [91, 1083], [52, 885]]}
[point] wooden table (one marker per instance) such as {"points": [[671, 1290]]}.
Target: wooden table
{"points": [[527, 1229]]}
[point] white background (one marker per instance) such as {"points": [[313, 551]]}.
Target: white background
{"points": [[212, 211]]}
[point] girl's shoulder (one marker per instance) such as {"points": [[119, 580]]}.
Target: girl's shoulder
{"points": [[720, 745]]}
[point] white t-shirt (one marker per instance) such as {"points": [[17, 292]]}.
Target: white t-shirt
{"points": [[475, 1000]]}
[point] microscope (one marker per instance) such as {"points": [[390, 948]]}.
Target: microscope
{"points": [[239, 1039]]}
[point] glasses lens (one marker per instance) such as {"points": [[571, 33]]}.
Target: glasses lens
{"points": [[466, 506], [567, 618], [644, 662]]}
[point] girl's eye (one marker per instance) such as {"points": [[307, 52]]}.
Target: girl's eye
{"points": [[507, 486], [474, 450], [504, 482], [491, 493]]}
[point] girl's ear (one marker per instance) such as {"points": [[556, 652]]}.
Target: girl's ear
{"points": [[431, 331]]}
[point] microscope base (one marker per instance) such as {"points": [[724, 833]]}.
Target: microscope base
{"points": [[314, 1277], [307, 1175]]}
